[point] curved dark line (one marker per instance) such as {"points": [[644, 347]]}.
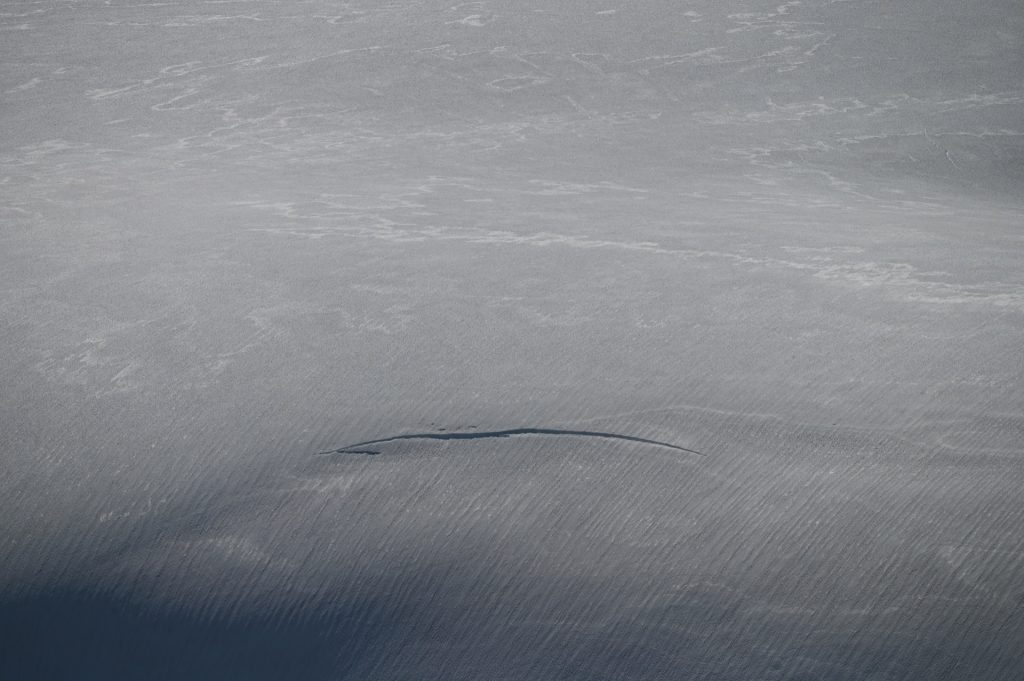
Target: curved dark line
{"points": [[360, 447]]}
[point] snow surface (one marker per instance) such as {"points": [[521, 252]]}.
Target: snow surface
{"points": [[237, 234]]}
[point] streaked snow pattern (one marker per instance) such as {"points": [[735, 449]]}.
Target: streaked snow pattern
{"points": [[237, 234]]}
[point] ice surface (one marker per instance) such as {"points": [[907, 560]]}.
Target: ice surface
{"points": [[236, 234]]}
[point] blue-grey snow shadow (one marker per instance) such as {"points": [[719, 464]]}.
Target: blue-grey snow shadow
{"points": [[68, 635], [71, 635], [521, 559]]}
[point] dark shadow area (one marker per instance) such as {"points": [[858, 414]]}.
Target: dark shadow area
{"points": [[68, 635], [431, 634]]}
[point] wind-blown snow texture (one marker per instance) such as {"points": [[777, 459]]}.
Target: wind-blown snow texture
{"points": [[236, 234]]}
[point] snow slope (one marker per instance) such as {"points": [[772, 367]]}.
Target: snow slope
{"points": [[236, 235]]}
